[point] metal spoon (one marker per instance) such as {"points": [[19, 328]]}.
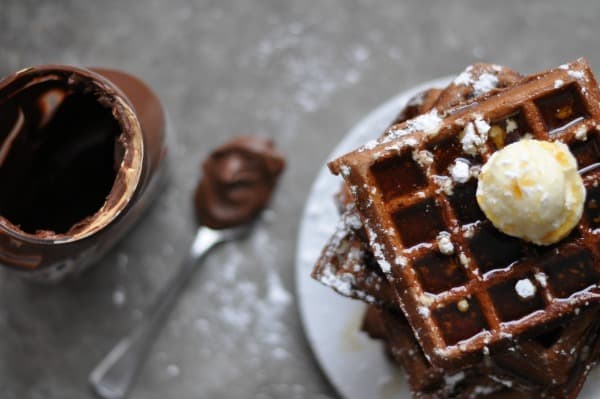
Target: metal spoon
{"points": [[114, 375]]}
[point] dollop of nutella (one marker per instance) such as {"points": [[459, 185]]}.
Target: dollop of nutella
{"points": [[239, 178]]}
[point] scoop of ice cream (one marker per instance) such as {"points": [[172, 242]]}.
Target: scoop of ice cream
{"points": [[531, 189]]}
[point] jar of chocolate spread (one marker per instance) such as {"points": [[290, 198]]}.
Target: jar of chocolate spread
{"points": [[81, 156]]}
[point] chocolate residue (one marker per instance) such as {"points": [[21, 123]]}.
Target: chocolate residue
{"points": [[70, 152], [238, 180]]}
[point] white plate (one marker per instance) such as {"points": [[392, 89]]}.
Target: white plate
{"points": [[355, 365]]}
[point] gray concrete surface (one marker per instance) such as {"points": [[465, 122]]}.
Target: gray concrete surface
{"points": [[302, 72]]}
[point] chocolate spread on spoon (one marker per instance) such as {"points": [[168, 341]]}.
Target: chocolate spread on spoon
{"points": [[238, 180]]}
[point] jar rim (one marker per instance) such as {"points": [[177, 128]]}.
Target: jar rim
{"points": [[128, 175]]}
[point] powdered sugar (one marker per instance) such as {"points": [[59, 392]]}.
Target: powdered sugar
{"points": [[542, 279], [485, 83], [474, 136], [460, 171], [444, 243], [428, 123], [576, 74], [511, 125], [481, 84], [525, 288], [464, 78], [453, 379], [581, 133], [119, 297], [423, 158], [444, 183]]}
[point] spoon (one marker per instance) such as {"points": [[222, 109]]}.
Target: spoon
{"points": [[114, 375]]}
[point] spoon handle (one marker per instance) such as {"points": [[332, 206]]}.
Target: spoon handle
{"points": [[113, 376]]}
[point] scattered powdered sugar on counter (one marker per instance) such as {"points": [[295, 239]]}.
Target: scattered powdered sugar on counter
{"points": [[119, 298], [238, 306], [276, 293], [312, 70], [172, 371], [244, 303]]}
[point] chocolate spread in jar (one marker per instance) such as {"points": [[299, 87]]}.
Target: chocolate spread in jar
{"points": [[71, 153], [238, 180], [82, 154]]}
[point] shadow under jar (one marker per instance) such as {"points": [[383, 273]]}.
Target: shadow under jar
{"points": [[81, 156]]}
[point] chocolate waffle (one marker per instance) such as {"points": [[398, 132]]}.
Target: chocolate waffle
{"points": [[427, 381], [337, 266], [347, 265], [476, 80], [547, 360], [463, 300]]}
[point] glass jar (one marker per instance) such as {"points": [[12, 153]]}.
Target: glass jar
{"points": [[82, 153]]}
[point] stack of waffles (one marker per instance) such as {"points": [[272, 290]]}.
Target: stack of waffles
{"points": [[466, 310]]}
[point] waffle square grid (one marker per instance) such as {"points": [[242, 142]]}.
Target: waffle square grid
{"points": [[414, 208]]}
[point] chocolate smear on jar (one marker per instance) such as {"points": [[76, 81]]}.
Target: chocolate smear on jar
{"points": [[71, 153], [239, 178]]}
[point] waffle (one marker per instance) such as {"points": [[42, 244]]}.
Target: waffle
{"points": [[476, 80], [347, 265], [339, 265], [460, 304], [425, 381], [430, 382], [545, 360], [548, 359]]}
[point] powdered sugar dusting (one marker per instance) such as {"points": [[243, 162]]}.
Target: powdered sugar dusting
{"points": [[310, 73], [525, 288], [511, 125], [542, 278], [444, 243], [481, 84], [246, 299], [428, 123], [423, 158], [172, 371], [581, 133], [460, 171], [465, 78], [474, 136], [453, 379], [119, 297], [576, 74], [485, 83]]}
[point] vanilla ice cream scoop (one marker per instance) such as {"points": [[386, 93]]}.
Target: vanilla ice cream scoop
{"points": [[531, 189]]}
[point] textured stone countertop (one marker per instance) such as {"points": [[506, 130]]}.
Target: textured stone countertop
{"points": [[302, 72]]}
